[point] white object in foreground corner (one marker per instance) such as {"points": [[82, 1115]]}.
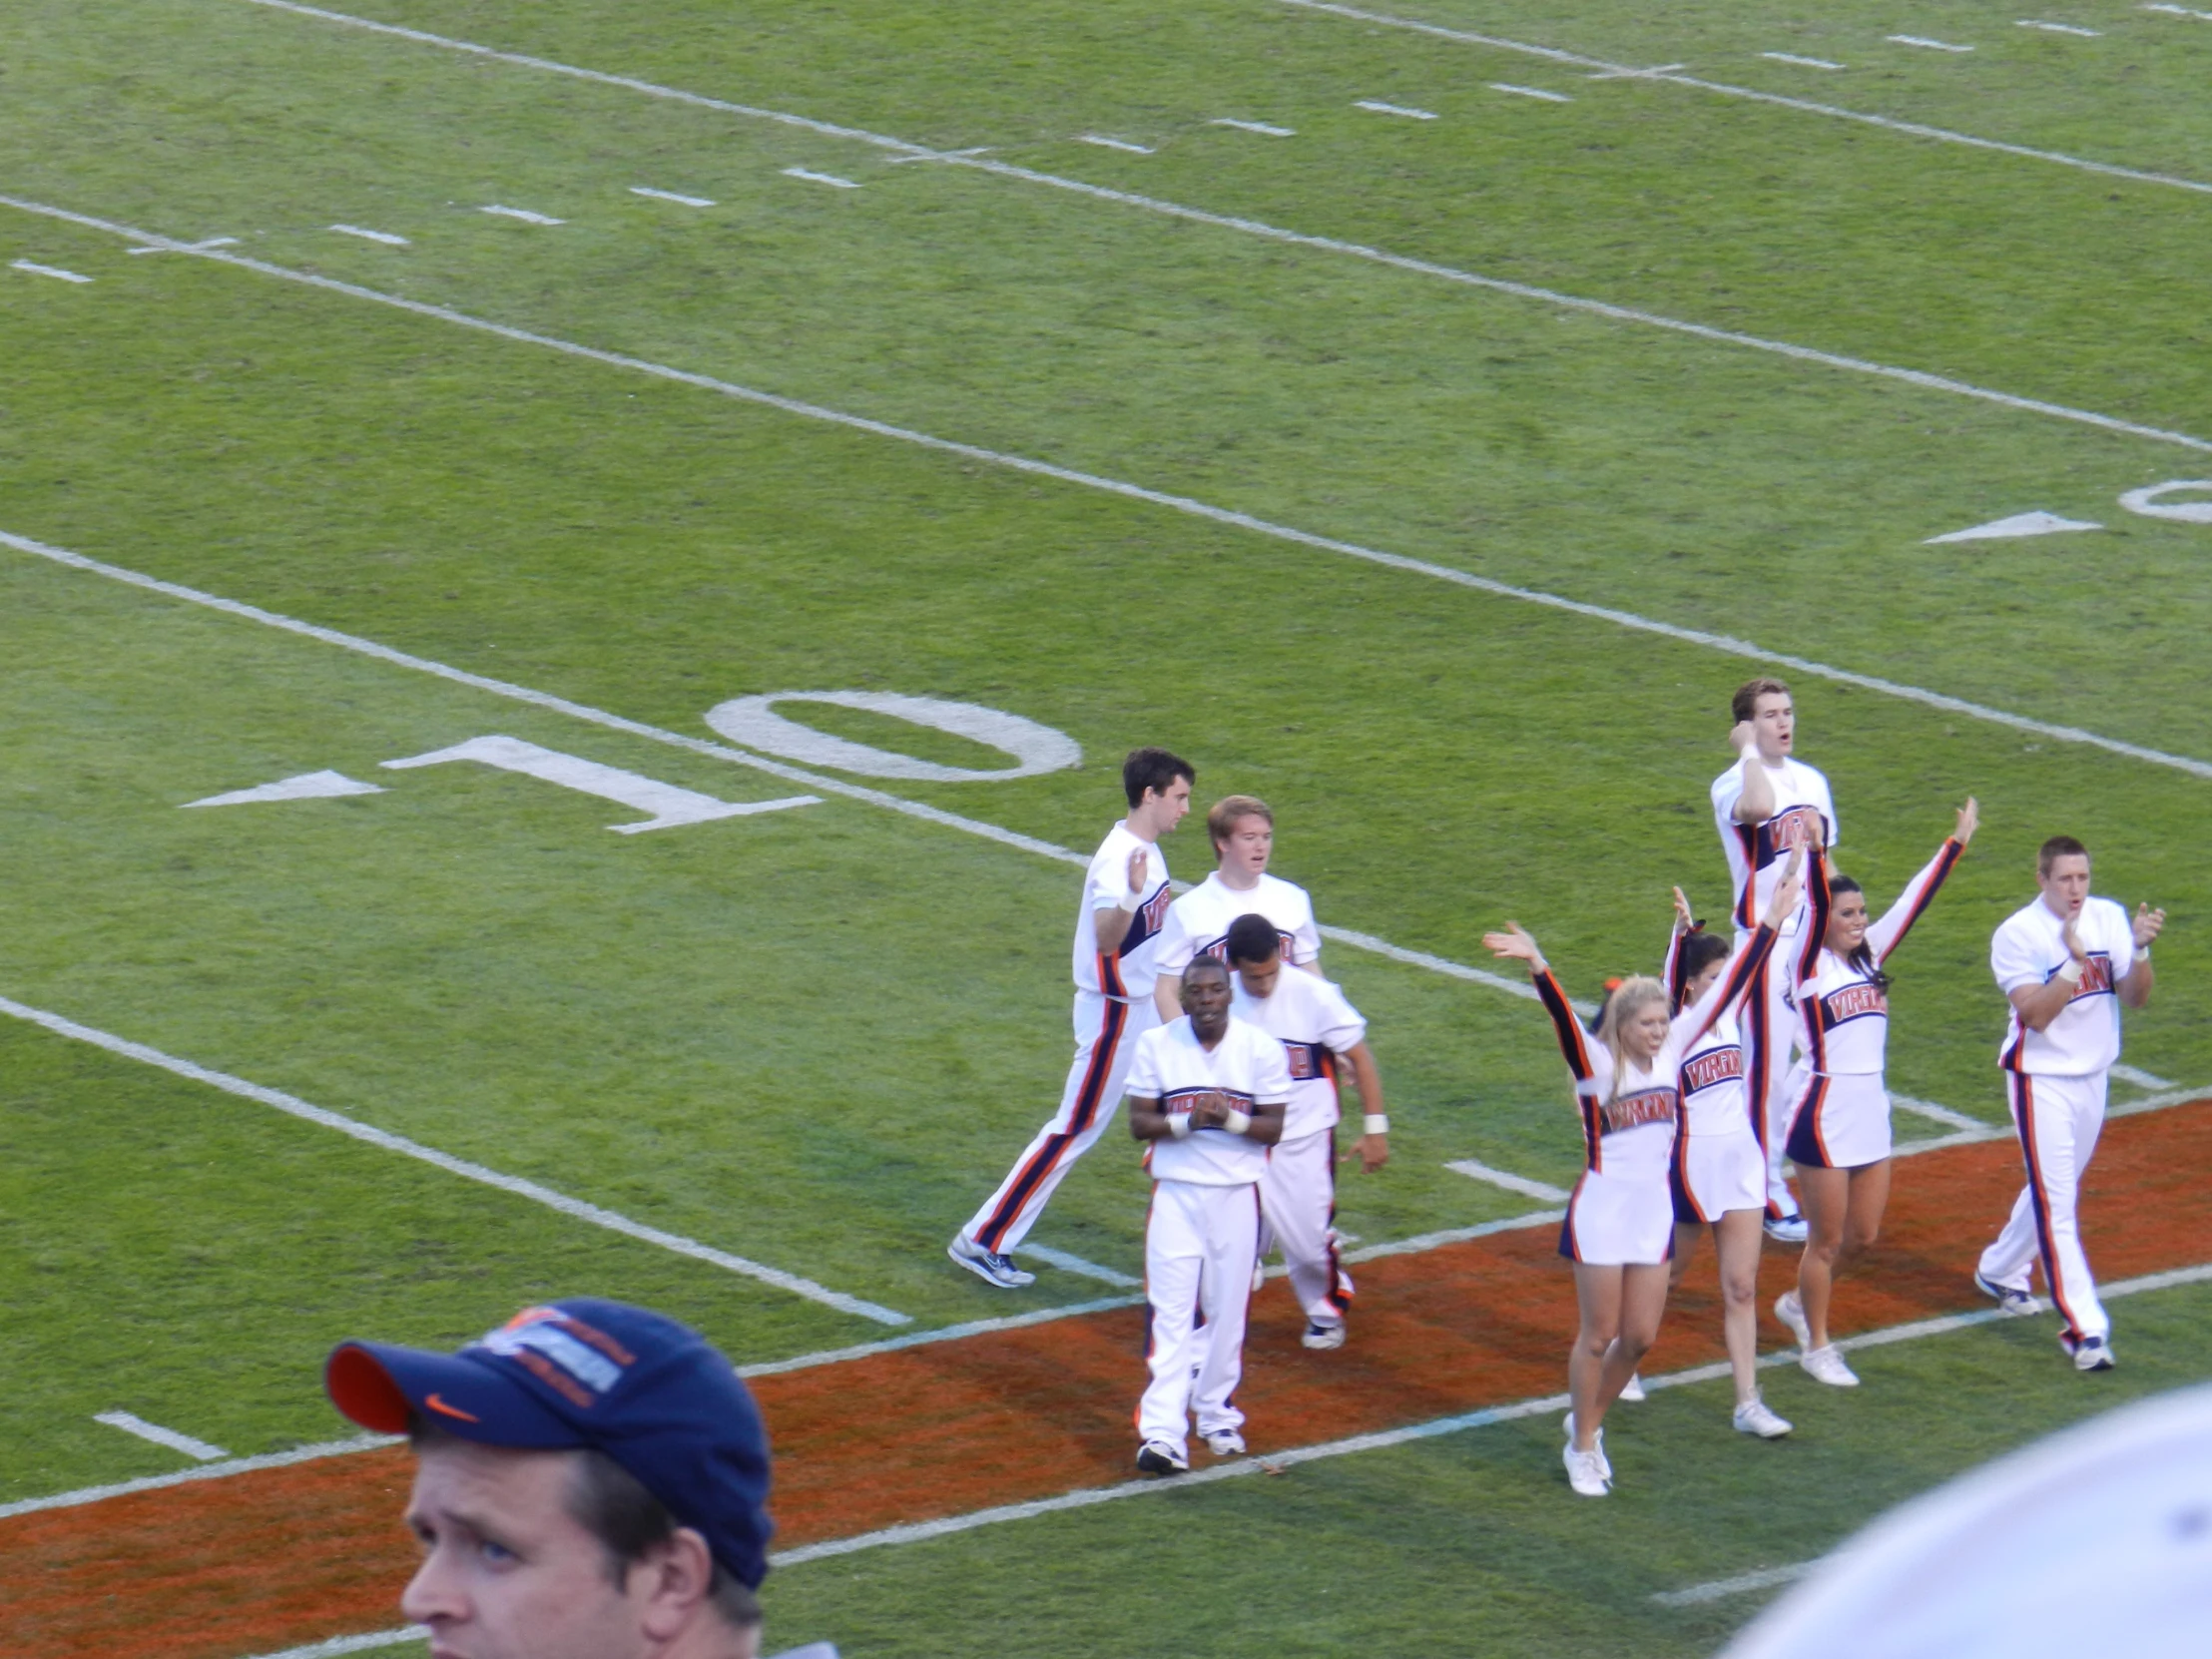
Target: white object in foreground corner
{"points": [[1512, 1183], [308, 786], [2094, 1540], [669, 804], [523, 213], [2019, 524], [132, 1425], [54, 270]]}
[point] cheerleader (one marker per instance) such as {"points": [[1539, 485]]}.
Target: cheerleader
{"points": [[1840, 1115], [1619, 1230], [1719, 1178]]}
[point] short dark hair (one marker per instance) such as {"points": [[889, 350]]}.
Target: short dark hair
{"points": [[628, 1522], [1213, 962], [1153, 769], [1745, 703], [2057, 847], [1253, 940]]}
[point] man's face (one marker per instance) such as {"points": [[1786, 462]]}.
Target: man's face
{"points": [[507, 1572], [1773, 723], [1206, 999], [1259, 977], [2067, 886], [1247, 846], [1165, 807]]}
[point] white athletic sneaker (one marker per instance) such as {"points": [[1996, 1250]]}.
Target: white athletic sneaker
{"points": [[2092, 1353], [1789, 1230], [1604, 1464], [1158, 1457], [1586, 1474], [1225, 1442], [1634, 1391], [1320, 1335], [988, 1266], [1755, 1416], [1826, 1364], [2016, 1303], [1791, 1313]]}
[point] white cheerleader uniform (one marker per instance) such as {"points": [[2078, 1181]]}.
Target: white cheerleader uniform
{"points": [[1622, 1210], [1840, 1114], [1719, 1164]]}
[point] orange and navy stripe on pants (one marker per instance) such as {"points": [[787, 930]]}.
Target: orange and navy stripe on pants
{"points": [[1055, 1145], [2023, 1110]]}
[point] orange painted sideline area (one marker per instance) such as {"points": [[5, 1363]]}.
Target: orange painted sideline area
{"points": [[282, 1557]]}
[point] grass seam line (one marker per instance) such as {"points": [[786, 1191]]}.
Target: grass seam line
{"points": [[921, 1531], [385, 1140], [1019, 463], [910, 151], [1911, 129]]}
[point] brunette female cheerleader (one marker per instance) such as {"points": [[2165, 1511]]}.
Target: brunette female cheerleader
{"points": [[1619, 1230], [1840, 1119]]}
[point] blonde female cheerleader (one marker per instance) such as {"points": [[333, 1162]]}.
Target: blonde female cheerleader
{"points": [[1619, 1230], [1839, 1116], [1719, 1179]]}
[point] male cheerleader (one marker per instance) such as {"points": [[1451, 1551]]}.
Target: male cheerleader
{"points": [[2067, 961], [1117, 938], [1318, 1031], [1207, 1093], [1767, 804], [1242, 827]]}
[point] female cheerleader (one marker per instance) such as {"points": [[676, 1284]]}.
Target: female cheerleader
{"points": [[1619, 1230], [1839, 1116], [1720, 1169]]}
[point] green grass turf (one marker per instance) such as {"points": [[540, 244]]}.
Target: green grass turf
{"points": [[1470, 1543], [815, 1038]]}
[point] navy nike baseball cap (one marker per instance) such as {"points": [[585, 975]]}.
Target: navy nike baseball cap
{"points": [[581, 1375]]}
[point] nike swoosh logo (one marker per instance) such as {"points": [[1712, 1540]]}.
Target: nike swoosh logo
{"points": [[438, 1404]]}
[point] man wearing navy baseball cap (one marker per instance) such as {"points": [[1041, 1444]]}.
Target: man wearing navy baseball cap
{"points": [[590, 1483]]}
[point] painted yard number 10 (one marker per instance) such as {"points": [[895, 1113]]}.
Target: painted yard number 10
{"points": [[747, 720]]}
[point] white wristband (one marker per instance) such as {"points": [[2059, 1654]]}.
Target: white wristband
{"points": [[2071, 973], [1378, 1124], [1179, 1125], [1237, 1122], [1129, 901]]}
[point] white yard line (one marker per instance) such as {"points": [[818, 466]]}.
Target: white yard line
{"points": [[53, 271], [1512, 1183], [1379, 107], [1942, 1114], [524, 214], [337, 1645], [1928, 45], [1803, 63], [2180, 11], [2061, 29], [1076, 1264], [2140, 1078], [1911, 129], [671, 196], [814, 177], [1254, 127], [293, 1106], [209, 1471], [1135, 492], [1764, 1579], [1555, 97], [132, 1423], [1114, 144], [384, 237], [908, 149]]}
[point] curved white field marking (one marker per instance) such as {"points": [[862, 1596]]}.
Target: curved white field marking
{"points": [[1113, 486], [2145, 501], [293, 1106], [754, 722], [1912, 129]]}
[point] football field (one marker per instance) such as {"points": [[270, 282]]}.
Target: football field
{"points": [[574, 581]]}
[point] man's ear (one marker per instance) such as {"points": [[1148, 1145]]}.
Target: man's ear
{"points": [[679, 1573]]}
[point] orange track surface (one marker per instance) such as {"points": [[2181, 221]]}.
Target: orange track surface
{"points": [[282, 1557]]}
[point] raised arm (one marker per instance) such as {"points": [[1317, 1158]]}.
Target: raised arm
{"points": [[1887, 933], [1757, 802], [1518, 944], [1670, 974]]}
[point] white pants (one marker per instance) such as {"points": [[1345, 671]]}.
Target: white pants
{"points": [[1770, 1026], [1198, 1240], [1297, 1197], [1106, 1034], [2058, 1119]]}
